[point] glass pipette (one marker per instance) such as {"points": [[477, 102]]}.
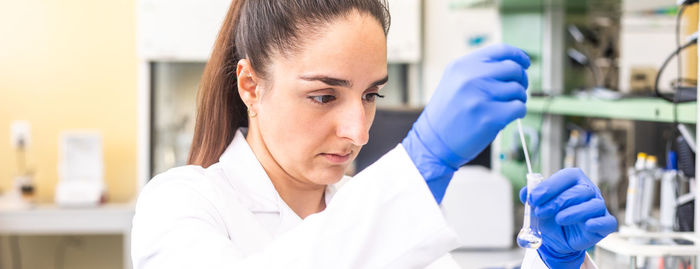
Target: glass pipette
{"points": [[529, 235]]}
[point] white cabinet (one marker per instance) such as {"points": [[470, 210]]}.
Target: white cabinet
{"points": [[404, 40], [179, 30], [185, 30]]}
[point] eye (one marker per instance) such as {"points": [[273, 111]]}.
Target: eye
{"points": [[372, 97], [322, 99]]}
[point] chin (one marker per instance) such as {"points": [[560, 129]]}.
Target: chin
{"points": [[329, 176]]}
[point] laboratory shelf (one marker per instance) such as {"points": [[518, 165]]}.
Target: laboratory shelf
{"points": [[642, 109]]}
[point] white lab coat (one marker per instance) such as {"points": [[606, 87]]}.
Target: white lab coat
{"points": [[229, 215]]}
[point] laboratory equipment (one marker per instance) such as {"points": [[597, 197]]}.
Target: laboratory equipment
{"points": [[569, 229], [596, 154], [642, 192], [572, 147], [634, 194], [667, 203], [682, 94], [529, 235], [648, 178], [471, 187], [686, 156]]}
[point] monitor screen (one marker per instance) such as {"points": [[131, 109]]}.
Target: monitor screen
{"points": [[389, 128]]}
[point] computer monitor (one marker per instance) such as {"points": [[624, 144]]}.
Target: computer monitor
{"points": [[389, 128]]}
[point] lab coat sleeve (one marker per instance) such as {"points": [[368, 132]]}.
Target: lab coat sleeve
{"points": [[384, 217], [532, 261], [176, 226]]}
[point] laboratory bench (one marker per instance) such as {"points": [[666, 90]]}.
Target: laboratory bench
{"points": [[48, 219], [639, 245]]}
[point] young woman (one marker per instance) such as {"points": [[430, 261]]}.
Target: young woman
{"points": [[286, 103]]}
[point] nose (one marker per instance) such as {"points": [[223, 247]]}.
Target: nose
{"points": [[353, 124]]}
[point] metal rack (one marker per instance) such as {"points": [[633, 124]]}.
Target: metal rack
{"points": [[555, 108]]}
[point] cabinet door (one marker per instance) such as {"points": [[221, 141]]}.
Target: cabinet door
{"points": [[179, 30]]}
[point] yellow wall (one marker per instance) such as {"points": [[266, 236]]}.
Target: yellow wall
{"points": [[70, 64]]}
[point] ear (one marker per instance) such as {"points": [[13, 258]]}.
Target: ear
{"points": [[247, 83]]}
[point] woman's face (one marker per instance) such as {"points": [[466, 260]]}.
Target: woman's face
{"points": [[316, 106]]}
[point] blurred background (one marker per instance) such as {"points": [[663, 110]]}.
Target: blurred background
{"points": [[96, 97]]}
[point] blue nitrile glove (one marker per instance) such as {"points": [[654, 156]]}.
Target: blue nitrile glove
{"points": [[572, 217], [479, 94]]}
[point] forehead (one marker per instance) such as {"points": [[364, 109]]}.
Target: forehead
{"points": [[351, 43]]}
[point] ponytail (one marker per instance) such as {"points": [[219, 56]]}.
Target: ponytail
{"points": [[220, 110]]}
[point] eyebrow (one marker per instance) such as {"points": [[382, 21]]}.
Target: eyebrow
{"points": [[331, 81], [380, 82]]}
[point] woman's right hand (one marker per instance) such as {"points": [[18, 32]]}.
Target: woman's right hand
{"points": [[478, 95]]}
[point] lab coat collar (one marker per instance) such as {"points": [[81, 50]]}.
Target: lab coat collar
{"points": [[245, 174]]}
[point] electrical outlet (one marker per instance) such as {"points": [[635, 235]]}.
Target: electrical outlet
{"points": [[20, 134]]}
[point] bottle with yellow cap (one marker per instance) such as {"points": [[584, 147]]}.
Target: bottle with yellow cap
{"points": [[632, 209], [647, 179], [641, 161]]}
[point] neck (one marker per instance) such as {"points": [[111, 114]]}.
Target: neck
{"points": [[301, 195]]}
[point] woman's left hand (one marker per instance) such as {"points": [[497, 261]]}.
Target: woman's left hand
{"points": [[572, 217]]}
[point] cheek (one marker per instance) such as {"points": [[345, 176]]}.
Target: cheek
{"points": [[292, 130], [370, 112]]}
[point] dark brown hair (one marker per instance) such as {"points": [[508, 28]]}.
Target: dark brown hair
{"points": [[256, 30]]}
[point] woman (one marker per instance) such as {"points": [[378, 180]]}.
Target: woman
{"points": [[285, 105]]}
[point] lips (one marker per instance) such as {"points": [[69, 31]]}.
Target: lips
{"points": [[337, 158]]}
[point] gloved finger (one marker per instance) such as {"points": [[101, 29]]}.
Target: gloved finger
{"points": [[502, 52], [508, 70], [506, 112], [572, 196], [601, 225], [579, 213], [507, 91], [554, 185], [523, 194]]}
